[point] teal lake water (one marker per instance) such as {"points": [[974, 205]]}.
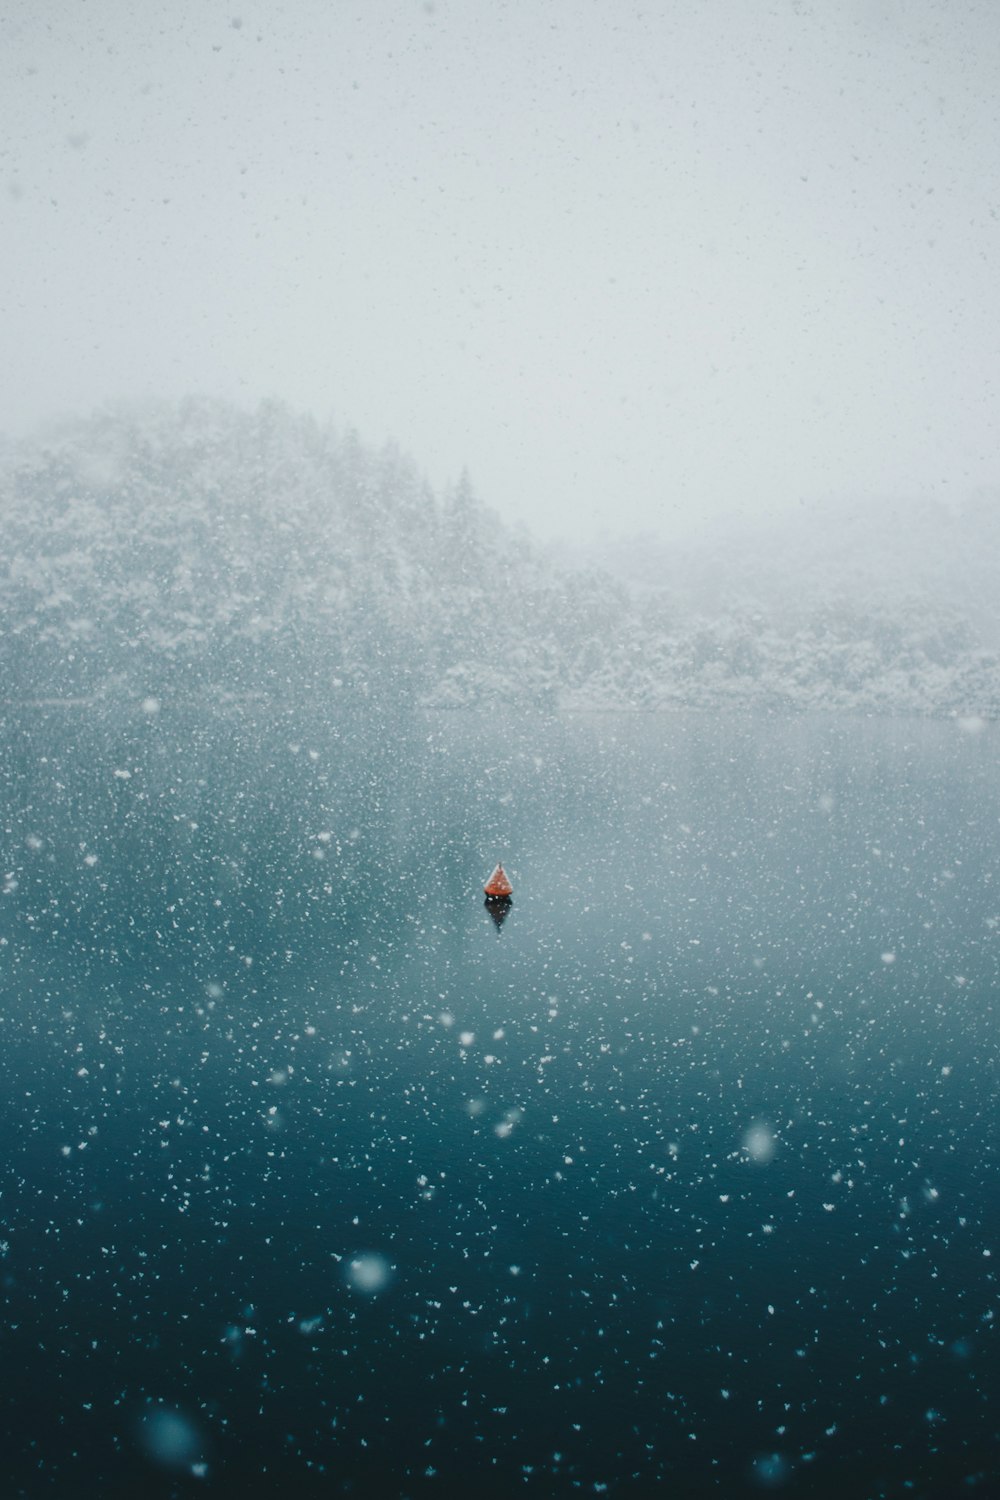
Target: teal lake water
{"points": [[317, 1181]]}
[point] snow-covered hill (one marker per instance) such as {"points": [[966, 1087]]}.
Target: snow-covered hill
{"points": [[202, 548]]}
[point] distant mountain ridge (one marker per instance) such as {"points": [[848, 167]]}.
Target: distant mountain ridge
{"points": [[855, 555], [197, 547]]}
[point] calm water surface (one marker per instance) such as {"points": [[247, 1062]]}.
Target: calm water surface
{"points": [[317, 1181]]}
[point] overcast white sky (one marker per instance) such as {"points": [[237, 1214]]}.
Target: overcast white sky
{"points": [[630, 263]]}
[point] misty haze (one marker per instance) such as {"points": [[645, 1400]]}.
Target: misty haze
{"points": [[436, 437]]}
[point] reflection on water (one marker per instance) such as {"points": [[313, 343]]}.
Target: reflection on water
{"points": [[310, 1181], [499, 909]]}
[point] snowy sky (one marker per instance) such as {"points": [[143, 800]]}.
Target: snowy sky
{"points": [[633, 264]]}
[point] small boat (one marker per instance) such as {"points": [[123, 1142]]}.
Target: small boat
{"points": [[498, 887]]}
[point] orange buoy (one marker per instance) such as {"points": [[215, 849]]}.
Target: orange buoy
{"points": [[498, 887]]}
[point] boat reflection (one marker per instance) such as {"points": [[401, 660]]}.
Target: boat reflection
{"points": [[499, 909]]}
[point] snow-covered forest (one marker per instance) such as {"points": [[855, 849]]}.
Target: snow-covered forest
{"points": [[198, 548]]}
